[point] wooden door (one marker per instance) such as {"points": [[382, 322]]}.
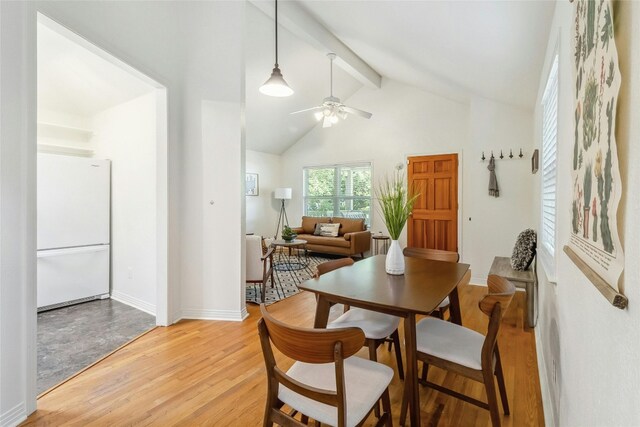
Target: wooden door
{"points": [[434, 221]]}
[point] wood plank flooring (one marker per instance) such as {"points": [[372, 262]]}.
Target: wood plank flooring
{"points": [[212, 373]]}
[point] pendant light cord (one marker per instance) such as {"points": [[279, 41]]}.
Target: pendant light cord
{"points": [[276, 33]]}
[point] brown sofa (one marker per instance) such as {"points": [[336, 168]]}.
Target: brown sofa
{"points": [[353, 237]]}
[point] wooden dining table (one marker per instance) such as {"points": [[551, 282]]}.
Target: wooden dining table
{"points": [[422, 287]]}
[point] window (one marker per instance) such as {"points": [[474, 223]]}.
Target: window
{"points": [[338, 190], [549, 148]]}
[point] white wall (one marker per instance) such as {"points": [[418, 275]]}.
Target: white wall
{"points": [[17, 213], [594, 345], [126, 134], [408, 121], [150, 36], [496, 222], [263, 209]]}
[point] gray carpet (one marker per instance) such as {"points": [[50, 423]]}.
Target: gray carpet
{"points": [[72, 338], [286, 282]]}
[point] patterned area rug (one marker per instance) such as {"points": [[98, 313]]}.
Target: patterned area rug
{"points": [[286, 282]]}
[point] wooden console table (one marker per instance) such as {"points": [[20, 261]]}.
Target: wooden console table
{"points": [[526, 280]]}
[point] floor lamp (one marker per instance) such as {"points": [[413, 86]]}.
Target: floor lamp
{"points": [[282, 194]]}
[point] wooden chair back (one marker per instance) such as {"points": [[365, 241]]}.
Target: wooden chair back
{"points": [[432, 254], [312, 345], [500, 291], [494, 304], [335, 264]]}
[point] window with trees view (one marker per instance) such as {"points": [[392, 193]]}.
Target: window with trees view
{"points": [[339, 190]]}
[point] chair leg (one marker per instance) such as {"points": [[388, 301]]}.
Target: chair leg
{"points": [[490, 388], [304, 419], [373, 355], [501, 386], [396, 343], [425, 372], [264, 289], [386, 406], [404, 407]]}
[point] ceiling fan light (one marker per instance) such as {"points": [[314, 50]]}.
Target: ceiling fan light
{"points": [[276, 85], [326, 112], [343, 115], [334, 119], [318, 115]]}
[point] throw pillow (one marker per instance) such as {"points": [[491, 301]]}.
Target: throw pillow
{"points": [[330, 230], [524, 250], [318, 230]]}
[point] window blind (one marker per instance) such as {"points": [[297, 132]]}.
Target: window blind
{"points": [[549, 159]]}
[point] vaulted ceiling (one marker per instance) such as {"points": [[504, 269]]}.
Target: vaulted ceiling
{"points": [[459, 49]]}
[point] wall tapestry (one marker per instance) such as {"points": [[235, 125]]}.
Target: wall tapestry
{"points": [[595, 174]]}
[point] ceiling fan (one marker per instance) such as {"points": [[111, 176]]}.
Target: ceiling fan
{"points": [[332, 109]]}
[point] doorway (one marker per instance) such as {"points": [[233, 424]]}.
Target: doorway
{"points": [[102, 203], [433, 223]]}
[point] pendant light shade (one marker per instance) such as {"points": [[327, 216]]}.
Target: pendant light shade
{"points": [[276, 85]]}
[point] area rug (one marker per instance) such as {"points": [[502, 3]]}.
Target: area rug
{"points": [[286, 282]]}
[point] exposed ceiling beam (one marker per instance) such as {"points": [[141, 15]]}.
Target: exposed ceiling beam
{"points": [[293, 17]]}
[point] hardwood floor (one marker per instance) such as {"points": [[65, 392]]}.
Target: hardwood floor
{"points": [[212, 373]]}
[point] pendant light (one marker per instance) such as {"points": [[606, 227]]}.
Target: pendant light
{"points": [[276, 86]]}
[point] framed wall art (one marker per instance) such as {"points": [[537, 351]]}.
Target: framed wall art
{"points": [[251, 185], [594, 244], [535, 161]]}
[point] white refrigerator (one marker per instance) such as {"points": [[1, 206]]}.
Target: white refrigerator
{"points": [[74, 195]]}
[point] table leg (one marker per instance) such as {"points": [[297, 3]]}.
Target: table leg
{"points": [[322, 313], [411, 376], [454, 307]]}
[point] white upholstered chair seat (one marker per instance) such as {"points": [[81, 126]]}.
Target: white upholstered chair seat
{"points": [[449, 341], [365, 381], [376, 326], [445, 302]]}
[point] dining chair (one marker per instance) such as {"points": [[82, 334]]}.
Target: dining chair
{"points": [[334, 264], [259, 265], [325, 383], [466, 352], [436, 255], [378, 327]]}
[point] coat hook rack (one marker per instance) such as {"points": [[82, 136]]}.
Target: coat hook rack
{"points": [[502, 156]]}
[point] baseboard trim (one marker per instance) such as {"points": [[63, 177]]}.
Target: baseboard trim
{"points": [[206, 314], [479, 281], [14, 416], [545, 390], [134, 302]]}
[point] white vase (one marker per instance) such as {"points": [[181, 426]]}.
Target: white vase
{"points": [[394, 263]]}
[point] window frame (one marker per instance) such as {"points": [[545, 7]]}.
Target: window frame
{"points": [[337, 197], [548, 197]]}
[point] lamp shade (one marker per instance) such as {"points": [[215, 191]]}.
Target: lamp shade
{"points": [[282, 193], [276, 86]]}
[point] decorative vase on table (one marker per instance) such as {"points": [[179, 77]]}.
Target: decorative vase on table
{"points": [[396, 204], [394, 264]]}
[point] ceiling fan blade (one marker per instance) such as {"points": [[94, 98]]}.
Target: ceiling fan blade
{"points": [[326, 123], [307, 109], [360, 113]]}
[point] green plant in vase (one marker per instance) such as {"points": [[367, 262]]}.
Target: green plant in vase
{"points": [[288, 234], [395, 203]]}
